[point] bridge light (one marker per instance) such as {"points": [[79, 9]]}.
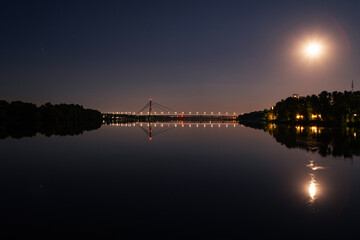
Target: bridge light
{"points": [[168, 112], [204, 112], [141, 113], [175, 112], [219, 113], [189, 112], [197, 112], [162, 112], [212, 113]]}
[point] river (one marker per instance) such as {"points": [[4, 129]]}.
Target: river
{"points": [[188, 180]]}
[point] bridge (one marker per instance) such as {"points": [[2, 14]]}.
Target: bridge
{"points": [[153, 110]]}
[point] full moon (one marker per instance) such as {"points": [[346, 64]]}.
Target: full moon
{"points": [[313, 49]]}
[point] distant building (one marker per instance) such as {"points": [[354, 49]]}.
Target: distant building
{"points": [[295, 95]]}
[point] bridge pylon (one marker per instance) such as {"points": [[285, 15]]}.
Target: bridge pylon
{"points": [[150, 107]]}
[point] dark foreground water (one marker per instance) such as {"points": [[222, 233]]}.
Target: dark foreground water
{"points": [[222, 181]]}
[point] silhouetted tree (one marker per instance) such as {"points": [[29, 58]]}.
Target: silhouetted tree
{"points": [[336, 107]]}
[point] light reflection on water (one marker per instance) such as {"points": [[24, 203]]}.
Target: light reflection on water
{"points": [[313, 184], [152, 129], [312, 189], [207, 179]]}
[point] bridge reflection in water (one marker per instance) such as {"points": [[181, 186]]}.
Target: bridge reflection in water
{"points": [[152, 129]]}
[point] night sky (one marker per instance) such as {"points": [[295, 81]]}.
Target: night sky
{"points": [[234, 56]]}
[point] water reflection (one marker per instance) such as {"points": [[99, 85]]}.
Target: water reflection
{"points": [[335, 141], [31, 129], [325, 141], [216, 175], [152, 129], [312, 189]]}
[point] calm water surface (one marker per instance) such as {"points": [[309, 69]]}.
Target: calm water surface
{"points": [[220, 181]]}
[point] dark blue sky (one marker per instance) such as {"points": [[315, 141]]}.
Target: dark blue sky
{"points": [[233, 56]]}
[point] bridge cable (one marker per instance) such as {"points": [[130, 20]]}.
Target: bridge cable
{"points": [[165, 107], [147, 105], [162, 109]]}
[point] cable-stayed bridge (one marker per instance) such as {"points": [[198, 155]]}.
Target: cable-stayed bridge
{"points": [[153, 110]]}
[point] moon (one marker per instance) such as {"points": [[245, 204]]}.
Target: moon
{"points": [[313, 49]]}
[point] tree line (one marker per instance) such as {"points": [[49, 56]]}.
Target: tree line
{"points": [[19, 119], [335, 107]]}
